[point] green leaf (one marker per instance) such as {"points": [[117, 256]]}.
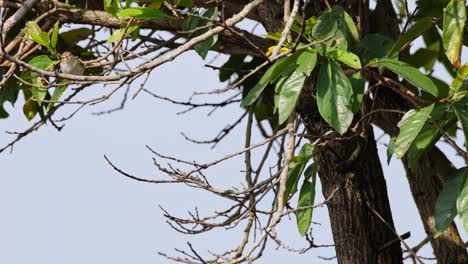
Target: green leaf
{"points": [[270, 75], [424, 57], [72, 37], [111, 6], [373, 46], [352, 30], [30, 109], [142, 13], [452, 33], [461, 110], [295, 168], [414, 32], [358, 83], [119, 34], [59, 90], [390, 149], [306, 151], [290, 90], [411, 74], [306, 198], [429, 134], [446, 204], [53, 40], [334, 93], [306, 61], [36, 34], [326, 26], [43, 62], [203, 47], [462, 206], [410, 126], [346, 57], [39, 93]]}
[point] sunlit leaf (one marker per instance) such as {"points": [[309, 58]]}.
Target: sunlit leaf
{"points": [[142, 13], [410, 126], [429, 134], [290, 90], [452, 33], [346, 57], [53, 40]]}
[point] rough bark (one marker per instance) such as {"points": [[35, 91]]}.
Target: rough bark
{"points": [[357, 231]]}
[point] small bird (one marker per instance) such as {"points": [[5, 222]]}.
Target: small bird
{"points": [[70, 64]]}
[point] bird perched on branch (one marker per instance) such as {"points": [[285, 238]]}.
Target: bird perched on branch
{"points": [[70, 64]]}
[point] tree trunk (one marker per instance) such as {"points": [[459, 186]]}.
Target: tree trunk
{"points": [[428, 175]]}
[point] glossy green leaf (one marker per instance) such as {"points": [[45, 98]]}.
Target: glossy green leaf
{"points": [[56, 96], [306, 198], [142, 13], [351, 28], [295, 168], [111, 6], [334, 95], [290, 90], [203, 47], [462, 75], [119, 33], [346, 57], [306, 61], [410, 126], [39, 93], [53, 40], [446, 204], [30, 109], [306, 151], [429, 134], [36, 34], [461, 110], [43, 62], [452, 33], [411, 74], [462, 205], [257, 90], [414, 32], [326, 25]]}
